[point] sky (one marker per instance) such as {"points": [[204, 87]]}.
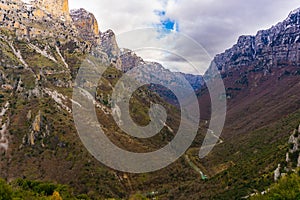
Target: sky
{"points": [[214, 25]]}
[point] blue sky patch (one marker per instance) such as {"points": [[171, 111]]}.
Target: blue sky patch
{"points": [[166, 23], [169, 24]]}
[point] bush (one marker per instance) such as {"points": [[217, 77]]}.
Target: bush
{"points": [[5, 191], [38, 187]]}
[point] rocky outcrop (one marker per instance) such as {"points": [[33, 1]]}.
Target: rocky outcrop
{"points": [[57, 8], [294, 141], [4, 123], [294, 153], [86, 25], [37, 19], [275, 47], [277, 173], [292, 159], [36, 128], [129, 60], [109, 44], [38, 131]]}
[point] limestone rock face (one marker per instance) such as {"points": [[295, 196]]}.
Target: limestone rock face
{"points": [[57, 8], [86, 25], [275, 47], [109, 44], [19, 16], [129, 60]]}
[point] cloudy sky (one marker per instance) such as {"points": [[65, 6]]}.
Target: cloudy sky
{"points": [[214, 24]]}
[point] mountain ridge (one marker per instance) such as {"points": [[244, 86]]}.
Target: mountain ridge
{"points": [[266, 48]]}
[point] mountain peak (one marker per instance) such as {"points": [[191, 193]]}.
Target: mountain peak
{"points": [[294, 17], [296, 11], [86, 24]]}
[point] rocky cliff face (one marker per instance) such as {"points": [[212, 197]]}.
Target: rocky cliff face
{"points": [[270, 48], [109, 44], [129, 60], [86, 25], [36, 19], [57, 8]]}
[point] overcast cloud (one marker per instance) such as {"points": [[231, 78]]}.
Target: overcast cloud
{"points": [[215, 24]]}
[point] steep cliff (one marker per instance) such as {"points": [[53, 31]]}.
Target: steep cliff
{"points": [[275, 47], [37, 19], [57, 8], [109, 44], [86, 25], [260, 71]]}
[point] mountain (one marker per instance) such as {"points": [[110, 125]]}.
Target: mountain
{"points": [[196, 81], [261, 78], [42, 48], [259, 71], [272, 48]]}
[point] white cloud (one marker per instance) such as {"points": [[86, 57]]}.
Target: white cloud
{"points": [[174, 50], [216, 24], [121, 16]]}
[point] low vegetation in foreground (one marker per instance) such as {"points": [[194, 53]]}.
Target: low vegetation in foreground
{"points": [[36, 190]]}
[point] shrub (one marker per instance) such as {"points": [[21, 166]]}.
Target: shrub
{"points": [[5, 191], [287, 188]]}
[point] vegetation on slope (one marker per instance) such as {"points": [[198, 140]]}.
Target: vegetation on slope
{"points": [[288, 187], [35, 190]]}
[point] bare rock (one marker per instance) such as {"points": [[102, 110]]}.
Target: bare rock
{"points": [[275, 47], [86, 25]]}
